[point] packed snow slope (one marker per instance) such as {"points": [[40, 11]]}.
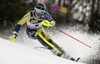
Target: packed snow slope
{"points": [[23, 52], [15, 53]]}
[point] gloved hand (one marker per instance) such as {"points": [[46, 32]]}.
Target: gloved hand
{"points": [[47, 23], [13, 37], [52, 23]]}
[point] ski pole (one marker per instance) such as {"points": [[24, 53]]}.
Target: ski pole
{"points": [[4, 36], [47, 23], [71, 37], [13, 40]]}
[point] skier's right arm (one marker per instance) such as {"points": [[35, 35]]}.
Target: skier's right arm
{"points": [[22, 22], [18, 25]]}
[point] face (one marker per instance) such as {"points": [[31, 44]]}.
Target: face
{"points": [[39, 12]]}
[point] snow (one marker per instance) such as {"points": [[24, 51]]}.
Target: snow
{"points": [[15, 53], [22, 51]]}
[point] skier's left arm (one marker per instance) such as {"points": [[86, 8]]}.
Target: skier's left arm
{"points": [[49, 18]]}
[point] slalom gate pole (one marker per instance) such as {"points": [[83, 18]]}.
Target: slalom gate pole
{"points": [[71, 37]]}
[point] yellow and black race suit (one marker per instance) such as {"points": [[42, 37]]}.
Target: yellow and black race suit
{"points": [[35, 29]]}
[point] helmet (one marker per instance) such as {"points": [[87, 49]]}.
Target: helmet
{"points": [[40, 6]]}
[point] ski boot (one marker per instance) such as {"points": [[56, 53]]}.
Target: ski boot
{"points": [[64, 55]]}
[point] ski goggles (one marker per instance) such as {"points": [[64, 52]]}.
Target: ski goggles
{"points": [[40, 11]]}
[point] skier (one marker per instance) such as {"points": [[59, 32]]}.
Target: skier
{"points": [[35, 29]]}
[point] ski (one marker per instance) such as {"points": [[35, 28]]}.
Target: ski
{"points": [[40, 47]]}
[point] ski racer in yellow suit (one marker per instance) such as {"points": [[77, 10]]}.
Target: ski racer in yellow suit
{"points": [[35, 29]]}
